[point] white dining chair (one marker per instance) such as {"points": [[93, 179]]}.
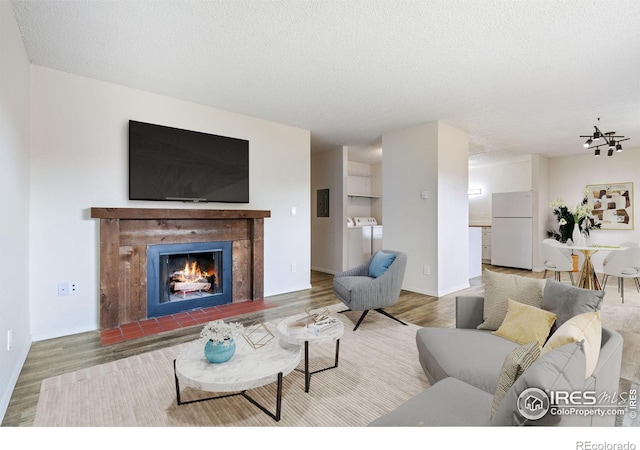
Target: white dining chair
{"points": [[622, 264], [624, 244], [556, 258]]}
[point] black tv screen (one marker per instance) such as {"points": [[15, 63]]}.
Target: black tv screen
{"points": [[172, 164]]}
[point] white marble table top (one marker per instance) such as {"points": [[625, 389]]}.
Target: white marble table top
{"points": [[248, 368], [594, 247], [294, 330]]}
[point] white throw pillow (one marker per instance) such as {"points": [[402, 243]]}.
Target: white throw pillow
{"points": [[585, 327]]}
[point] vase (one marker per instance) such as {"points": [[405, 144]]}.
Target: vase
{"points": [[576, 236], [218, 352]]}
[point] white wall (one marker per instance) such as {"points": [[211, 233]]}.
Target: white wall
{"points": [[453, 209], [432, 231], [79, 161], [328, 234], [501, 177], [14, 203], [376, 204], [540, 184], [570, 175]]}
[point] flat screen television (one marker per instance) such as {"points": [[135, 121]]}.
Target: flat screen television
{"points": [[170, 164]]}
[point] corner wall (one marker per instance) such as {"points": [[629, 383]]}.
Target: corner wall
{"points": [[431, 228]]}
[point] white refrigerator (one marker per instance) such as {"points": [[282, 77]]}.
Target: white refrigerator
{"points": [[512, 229]]}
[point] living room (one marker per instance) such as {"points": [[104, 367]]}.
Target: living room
{"points": [[64, 151]]}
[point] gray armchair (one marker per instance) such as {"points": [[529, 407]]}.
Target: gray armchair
{"points": [[360, 291]]}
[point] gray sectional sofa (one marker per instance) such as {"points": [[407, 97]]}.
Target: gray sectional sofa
{"points": [[464, 364]]}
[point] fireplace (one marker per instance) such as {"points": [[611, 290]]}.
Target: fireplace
{"points": [[126, 234], [182, 277]]}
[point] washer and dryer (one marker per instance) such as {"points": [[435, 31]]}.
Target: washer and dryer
{"points": [[364, 238]]}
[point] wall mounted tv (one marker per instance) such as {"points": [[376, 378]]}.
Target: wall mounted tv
{"points": [[171, 164]]}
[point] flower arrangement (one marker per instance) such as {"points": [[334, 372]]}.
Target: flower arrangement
{"points": [[567, 217], [219, 331]]}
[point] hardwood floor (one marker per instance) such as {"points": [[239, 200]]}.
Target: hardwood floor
{"points": [[56, 356]]}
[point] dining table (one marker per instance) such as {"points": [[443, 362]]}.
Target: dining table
{"points": [[588, 278]]}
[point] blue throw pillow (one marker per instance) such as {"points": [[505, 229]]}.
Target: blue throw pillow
{"points": [[380, 263]]}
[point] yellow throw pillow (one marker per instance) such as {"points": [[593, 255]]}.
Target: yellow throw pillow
{"points": [[585, 327], [525, 323]]}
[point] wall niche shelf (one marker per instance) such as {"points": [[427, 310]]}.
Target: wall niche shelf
{"points": [[353, 173], [363, 196]]}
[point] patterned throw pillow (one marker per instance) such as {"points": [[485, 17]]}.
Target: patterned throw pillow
{"points": [[561, 369], [514, 365], [499, 287]]}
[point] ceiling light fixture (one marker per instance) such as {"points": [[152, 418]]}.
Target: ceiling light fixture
{"points": [[611, 140]]}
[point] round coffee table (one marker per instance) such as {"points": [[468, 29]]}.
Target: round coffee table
{"points": [[295, 330], [248, 368]]}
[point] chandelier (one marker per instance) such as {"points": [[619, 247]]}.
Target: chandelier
{"points": [[600, 139]]}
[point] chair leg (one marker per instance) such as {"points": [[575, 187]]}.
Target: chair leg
{"points": [[380, 310], [571, 277], [622, 288], [360, 319], [384, 313], [604, 281], [545, 274], [637, 281]]}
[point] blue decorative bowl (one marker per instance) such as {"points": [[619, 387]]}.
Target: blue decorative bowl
{"points": [[218, 352]]}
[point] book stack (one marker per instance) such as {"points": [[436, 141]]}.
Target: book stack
{"points": [[323, 325]]}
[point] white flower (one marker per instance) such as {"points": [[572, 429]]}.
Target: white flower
{"points": [[562, 222], [219, 331]]}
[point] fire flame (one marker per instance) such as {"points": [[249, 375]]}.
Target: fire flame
{"points": [[191, 273]]}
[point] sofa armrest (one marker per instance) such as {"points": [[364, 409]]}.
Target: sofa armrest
{"points": [[469, 311]]}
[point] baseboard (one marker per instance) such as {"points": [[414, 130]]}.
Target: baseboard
{"points": [[323, 270], [438, 293]]}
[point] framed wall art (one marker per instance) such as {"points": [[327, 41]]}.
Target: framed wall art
{"points": [[612, 205]]}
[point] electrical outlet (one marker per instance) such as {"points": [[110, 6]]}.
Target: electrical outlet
{"points": [[426, 270], [293, 267], [63, 289], [73, 287], [9, 339]]}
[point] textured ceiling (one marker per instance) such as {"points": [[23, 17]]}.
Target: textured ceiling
{"points": [[520, 77]]}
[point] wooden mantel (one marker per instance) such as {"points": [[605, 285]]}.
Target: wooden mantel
{"points": [[156, 213], [125, 234]]}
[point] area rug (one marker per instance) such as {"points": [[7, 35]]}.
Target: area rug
{"points": [[378, 370]]}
